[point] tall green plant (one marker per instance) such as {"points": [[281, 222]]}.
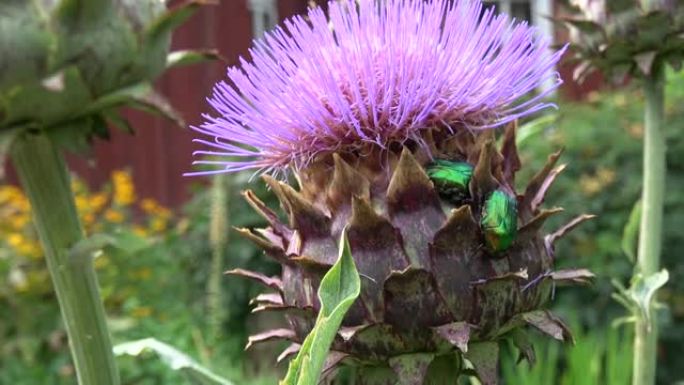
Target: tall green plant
{"points": [[639, 38], [218, 238], [67, 66], [43, 174], [650, 230]]}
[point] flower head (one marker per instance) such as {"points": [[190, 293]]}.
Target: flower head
{"points": [[374, 74]]}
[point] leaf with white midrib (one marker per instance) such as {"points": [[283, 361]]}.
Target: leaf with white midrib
{"points": [[339, 289]]}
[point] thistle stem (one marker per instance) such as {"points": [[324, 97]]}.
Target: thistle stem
{"points": [[218, 238], [44, 177], [650, 232]]}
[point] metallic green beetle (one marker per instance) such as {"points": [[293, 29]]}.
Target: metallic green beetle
{"points": [[499, 220], [451, 179]]}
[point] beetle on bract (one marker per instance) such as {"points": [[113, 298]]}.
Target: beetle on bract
{"points": [[451, 179], [499, 220]]}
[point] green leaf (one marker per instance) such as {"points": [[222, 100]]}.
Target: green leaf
{"points": [[141, 96], [188, 57], [485, 359], [630, 234], [119, 97], [155, 103], [80, 9], [639, 297], [173, 358], [116, 119], [89, 246], [534, 127], [128, 242], [339, 289], [172, 19], [74, 136], [521, 341], [588, 28], [58, 98], [411, 368]]}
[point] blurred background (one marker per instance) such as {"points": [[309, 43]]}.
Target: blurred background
{"points": [[168, 281]]}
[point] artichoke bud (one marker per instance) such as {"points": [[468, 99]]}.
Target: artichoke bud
{"points": [[72, 63], [419, 252], [499, 220]]}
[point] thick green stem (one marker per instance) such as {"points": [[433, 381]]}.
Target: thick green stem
{"points": [[218, 238], [43, 174], [650, 232]]}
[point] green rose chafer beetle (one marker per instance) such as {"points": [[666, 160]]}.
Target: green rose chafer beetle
{"points": [[499, 220]]}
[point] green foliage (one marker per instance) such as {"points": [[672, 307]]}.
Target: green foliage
{"points": [[339, 288], [627, 39], [173, 358], [67, 65], [602, 139], [156, 284], [600, 357], [153, 283], [630, 235], [638, 298]]}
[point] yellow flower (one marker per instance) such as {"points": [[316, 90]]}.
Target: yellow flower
{"points": [[164, 212], [590, 185], [142, 312], [9, 193], [29, 249], [22, 204], [82, 204], [18, 221], [15, 240], [620, 100], [593, 97], [77, 186], [98, 201], [124, 191], [101, 261], [157, 224], [606, 175], [140, 231], [635, 130], [148, 205], [593, 184], [15, 199], [113, 216], [144, 273], [89, 219]]}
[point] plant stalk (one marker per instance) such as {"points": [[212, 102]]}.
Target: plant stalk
{"points": [[650, 231], [44, 177], [218, 239]]}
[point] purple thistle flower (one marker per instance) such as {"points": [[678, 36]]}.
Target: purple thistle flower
{"points": [[377, 73]]}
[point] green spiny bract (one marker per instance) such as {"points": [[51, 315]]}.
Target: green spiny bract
{"points": [[432, 292], [70, 63]]}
